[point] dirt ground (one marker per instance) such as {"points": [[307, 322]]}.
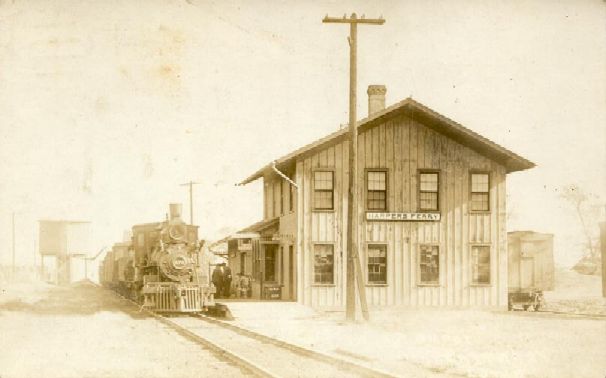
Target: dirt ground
{"points": [[452, 342], [83, 331], [577, 293]]}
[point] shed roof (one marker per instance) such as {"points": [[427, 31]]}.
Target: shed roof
{"points": [[261, 225], [430, 118]]}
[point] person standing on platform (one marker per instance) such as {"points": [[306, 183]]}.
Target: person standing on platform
{"points": [[226, 281], [217, 279]]}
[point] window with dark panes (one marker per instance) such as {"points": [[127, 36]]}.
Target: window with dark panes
{"points": [[429, 191], [376, 195], [480, 192], [270, 263], [281, 197], [429, 264], [480, 264], [323, 264], [323, 190], [377, 263], [291, 198], [242, 263]]}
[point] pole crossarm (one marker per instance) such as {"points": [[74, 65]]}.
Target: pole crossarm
{"points": [[353, 19], [191, 183]]}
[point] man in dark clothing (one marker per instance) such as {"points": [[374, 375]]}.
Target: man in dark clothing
{"points": [[217, 279], [226, 281]]}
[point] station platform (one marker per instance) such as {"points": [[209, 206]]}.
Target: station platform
{"points": [[313, 329], [250, 310]]}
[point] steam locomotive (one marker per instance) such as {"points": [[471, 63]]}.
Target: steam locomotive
{"points": [[161, 267]]}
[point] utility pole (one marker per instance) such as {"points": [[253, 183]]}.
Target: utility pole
{"points": [[191, 200], [13, 267], [35, 253], [352, 203]]}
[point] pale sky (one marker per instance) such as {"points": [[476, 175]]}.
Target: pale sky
{"points": [[106, 107]]}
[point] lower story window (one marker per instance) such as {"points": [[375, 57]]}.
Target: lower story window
{"points": [[324, 263], [480, 264], [270, 263], [429, 264], [377, 263]]}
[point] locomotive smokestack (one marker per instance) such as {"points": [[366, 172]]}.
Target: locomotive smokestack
{"points": [[175, 211]]}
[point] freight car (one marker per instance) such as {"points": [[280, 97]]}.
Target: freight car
{"points": [[160, 267], [531, 268]]}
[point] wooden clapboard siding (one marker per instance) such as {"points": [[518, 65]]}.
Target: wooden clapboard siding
{"points": [[300, 240], [403, 146]]}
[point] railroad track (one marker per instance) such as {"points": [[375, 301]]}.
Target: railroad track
{"points": [[257, 354], [266, 356]]}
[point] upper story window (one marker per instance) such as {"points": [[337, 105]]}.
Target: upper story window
{"points": [[429, 193], [291, 198], [480, 192], [376, 190], [244, 244], [281, 197], [323, 190]]}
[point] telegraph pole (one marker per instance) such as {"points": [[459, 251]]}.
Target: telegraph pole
{"points": [[191, 200], [352, 203], [13, 267]]}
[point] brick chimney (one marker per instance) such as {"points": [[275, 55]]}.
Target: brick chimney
{"points": [[376, 98]]}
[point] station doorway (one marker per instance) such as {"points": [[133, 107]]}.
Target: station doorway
{"points": [[278, 271]]}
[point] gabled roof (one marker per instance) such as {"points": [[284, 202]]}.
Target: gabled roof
{"points": [[260, 226], [429, 118]]}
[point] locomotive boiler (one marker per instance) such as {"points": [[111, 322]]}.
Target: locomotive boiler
{"points": [[161, 267]]}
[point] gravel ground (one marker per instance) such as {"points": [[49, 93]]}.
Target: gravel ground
{"points": [[449, 342], [577, 293], [84, 331], [81, 331], [453, 342]]}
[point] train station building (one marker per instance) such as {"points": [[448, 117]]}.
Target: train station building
{"points": [[431, 215]]}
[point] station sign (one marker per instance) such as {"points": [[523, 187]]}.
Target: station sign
{"points": [[403, 217], [283, 237]]}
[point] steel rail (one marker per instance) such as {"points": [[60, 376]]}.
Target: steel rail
{"points": [[223, 352], [219, 351], [341, 363], [247, 364]]}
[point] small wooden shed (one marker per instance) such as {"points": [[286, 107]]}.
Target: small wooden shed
{"points": [[531, 265]]}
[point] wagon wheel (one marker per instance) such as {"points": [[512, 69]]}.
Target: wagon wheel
{"points": [[526, 307]]}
